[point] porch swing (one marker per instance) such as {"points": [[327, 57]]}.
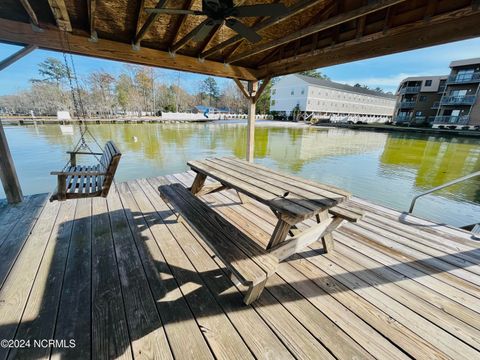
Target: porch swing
{"points": [[84, 181]]}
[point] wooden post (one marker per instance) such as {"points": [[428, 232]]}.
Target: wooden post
{"points": [[252, 105], [252, 93], [8, 174]]}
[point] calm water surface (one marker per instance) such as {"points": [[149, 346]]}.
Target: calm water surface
{"points": [[385, 168]]}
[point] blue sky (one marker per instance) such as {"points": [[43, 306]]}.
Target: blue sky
{"points": [[384, 71]]}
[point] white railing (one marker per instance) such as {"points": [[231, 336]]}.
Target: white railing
{"points": [[450, 183]]}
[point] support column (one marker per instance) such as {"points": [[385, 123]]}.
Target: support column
{"points": [[252, 93], [8, 174], [252, 105]]}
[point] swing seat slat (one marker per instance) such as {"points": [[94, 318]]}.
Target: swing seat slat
{"points": [[81, 181]]}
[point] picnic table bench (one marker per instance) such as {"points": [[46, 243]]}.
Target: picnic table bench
{"points": [[292, 199]]}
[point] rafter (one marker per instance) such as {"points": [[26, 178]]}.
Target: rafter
{"points": [[92, 5], [181, 22], [327, 24], [401, 38], [140, 9], [210, 37], [22, 33], [430, 9], [388, 19], [60, 13], [255, 23], [183, 41], [293, 10], [321, 15], [147, 25], [28, 8]]}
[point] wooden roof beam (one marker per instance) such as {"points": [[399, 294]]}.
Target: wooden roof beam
{"points": [[28, 8], [310, 30], [255, 23], [16, 56], [183, 41], [293, 10], [181, 22], [321, 15], [22, 33], [60, 13], [447, 28], [92, 5], [209, 39], [147, 25]]}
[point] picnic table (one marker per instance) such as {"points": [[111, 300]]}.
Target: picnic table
{"points": [[292, 199]]}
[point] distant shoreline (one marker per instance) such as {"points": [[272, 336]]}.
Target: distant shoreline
{"points": [[392, 128]]}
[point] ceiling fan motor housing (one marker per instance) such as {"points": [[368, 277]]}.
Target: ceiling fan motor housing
{"points": [[217, 9]]}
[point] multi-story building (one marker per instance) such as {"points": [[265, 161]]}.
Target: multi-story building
{"points": [[449, 101], [324, 99], [460, 103], [418, 100]]}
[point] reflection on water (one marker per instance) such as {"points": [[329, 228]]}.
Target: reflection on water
{"points": [[386, 168]]}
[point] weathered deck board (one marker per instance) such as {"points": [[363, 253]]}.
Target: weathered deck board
{"points": [[125, 279], [39, 319]]}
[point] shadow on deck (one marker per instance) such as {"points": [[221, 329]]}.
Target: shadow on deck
{"points": [[122, 278]]}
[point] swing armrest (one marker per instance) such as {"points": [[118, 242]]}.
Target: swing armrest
{"points": [[84, 153], [78, 173]]}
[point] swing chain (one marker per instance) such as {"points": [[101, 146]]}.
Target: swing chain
{"points": [[75, 92]]}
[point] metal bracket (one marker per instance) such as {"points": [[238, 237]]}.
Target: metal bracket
{"points": [[135, 47], [36, 28], [93, 37]]}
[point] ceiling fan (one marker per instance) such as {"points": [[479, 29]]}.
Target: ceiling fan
{"points": [[221, 12]]}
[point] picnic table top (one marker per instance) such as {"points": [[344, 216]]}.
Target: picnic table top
{"points": [[286, 194]]}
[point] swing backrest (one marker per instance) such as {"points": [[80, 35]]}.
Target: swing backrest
{"points": [[109, 161]]}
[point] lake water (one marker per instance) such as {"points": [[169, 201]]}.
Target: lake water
{"points": [[386, 168]]}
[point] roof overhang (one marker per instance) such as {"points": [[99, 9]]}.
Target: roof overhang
{"points": [[314, 34]]}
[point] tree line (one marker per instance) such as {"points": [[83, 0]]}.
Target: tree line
{"points": [[137, 90]]}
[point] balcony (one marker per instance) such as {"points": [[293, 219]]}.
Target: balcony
{"points": [[402, 119], [406, 104], [455, 120], [409, 90], [458, 100], [435, 105], [464, 78]]}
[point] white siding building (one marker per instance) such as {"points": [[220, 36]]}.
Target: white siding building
{"points": [[326, 99]]}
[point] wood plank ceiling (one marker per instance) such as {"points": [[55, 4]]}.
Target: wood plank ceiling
{"points": [[312, 34]]}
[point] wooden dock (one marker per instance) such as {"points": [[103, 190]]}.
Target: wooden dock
{"points": [[124, 279], [20, 121]]}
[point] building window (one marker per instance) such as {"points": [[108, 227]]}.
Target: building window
{"points": [[273, 102], [418, 113], [303, 91], [423, 98], [274, 91], [292, 92], [428, 82]]}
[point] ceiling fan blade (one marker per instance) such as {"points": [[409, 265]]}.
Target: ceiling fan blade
{"points": [[243, 30], [260, 10], [203, 30], [173, 11]]}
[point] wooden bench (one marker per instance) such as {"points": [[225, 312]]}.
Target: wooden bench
{"points": [[249, 263], [347, 212], [79, 181]]}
